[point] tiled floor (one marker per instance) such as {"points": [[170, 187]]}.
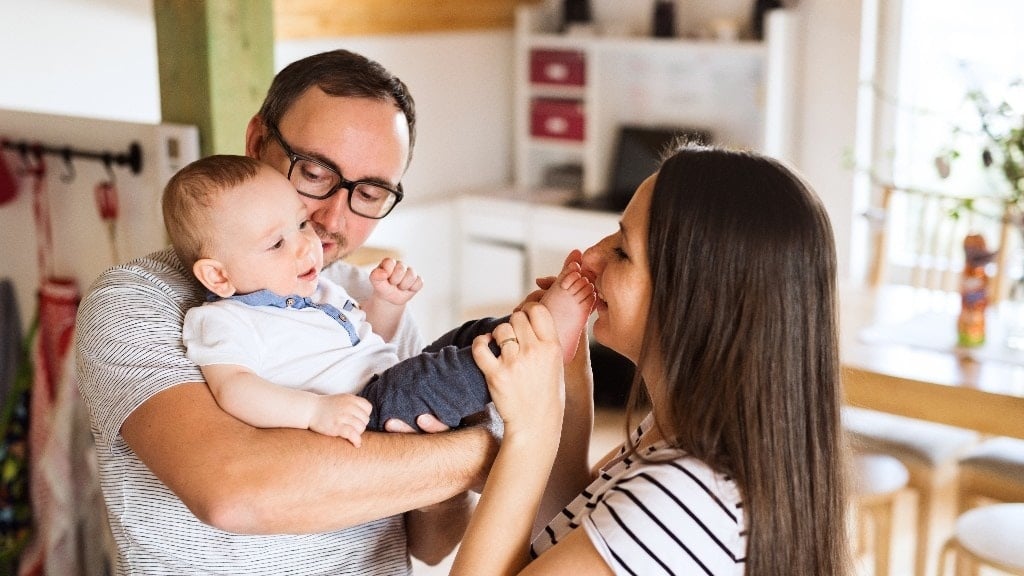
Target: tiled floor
{"points": [[609, 431]]}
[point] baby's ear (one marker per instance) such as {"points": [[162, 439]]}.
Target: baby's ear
{"points": [[213, 275]]}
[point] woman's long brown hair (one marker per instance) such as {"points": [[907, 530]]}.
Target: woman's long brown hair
{"points": [[744, 318]]}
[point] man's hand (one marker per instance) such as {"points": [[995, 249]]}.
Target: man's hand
{"points": [[487, 418], [426, 422]]}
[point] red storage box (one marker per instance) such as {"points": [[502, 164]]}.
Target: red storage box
{"points": [[557, 67], [551, 118]]}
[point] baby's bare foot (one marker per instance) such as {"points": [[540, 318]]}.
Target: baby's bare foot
{"points": [[570, 300]]}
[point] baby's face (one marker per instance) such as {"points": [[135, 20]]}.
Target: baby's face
{"points": [[264, 239]]}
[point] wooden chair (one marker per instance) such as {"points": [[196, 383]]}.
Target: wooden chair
{"points": [[930, 453], [992, 471], [989, 536], [930, 228], [878, 480]]}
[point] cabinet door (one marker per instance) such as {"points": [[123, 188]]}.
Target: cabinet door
{"points": [[556, 231], [492, 278]]}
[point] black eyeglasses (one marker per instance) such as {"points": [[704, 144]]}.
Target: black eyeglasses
{"points": [[314, 179]]}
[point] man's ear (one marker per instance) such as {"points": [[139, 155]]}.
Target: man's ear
{"points": [[213, 275], [255, 134]]}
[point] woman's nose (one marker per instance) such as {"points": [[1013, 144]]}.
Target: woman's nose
{"points": [[592, 260]]}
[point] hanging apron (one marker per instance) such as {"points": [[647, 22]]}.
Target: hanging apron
{"points": [[52, 550]]}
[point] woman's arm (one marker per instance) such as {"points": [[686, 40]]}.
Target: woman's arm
{"points": [[526, 384], [571, 472]]}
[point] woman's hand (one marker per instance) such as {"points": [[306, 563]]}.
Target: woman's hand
{"points": [[528, 389], [526, 380]]}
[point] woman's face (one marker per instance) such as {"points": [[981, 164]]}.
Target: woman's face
{"points": [[622, 277]]}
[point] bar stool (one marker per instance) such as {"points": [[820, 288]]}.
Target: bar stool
{"points": [[992, 471], [930, 452], [877, 480], [988, 536]]}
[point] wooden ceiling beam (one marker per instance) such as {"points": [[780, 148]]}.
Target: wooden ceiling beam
{"points": [[295, 19]]}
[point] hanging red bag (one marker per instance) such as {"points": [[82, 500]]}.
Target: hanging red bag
{"points": [[8, 183]]}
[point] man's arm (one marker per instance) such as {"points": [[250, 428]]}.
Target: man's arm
{"points": [[434, 531], [277, 480]]}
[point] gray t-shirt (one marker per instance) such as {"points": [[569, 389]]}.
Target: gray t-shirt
{"points": [[128, 349]]}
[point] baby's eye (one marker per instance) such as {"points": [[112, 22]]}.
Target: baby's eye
{"points": [[304, 224], [277, 244]]}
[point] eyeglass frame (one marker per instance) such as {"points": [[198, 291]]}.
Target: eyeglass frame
{"points": [[348, 185]]}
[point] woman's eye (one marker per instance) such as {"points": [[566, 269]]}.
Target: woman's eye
{"points": [[620, 253]]}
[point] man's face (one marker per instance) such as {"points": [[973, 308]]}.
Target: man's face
{"points": [[363, 139]]}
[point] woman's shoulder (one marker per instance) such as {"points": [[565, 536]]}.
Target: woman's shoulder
{"points": [[667, 500], [674, 472]]}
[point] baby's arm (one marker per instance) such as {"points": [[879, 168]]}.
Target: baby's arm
{"points": [[258, 402], [394, 284]]}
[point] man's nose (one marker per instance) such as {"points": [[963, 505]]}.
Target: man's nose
{"points": [[331, 213]]}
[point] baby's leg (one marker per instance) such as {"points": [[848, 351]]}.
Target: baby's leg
{"points": [[570, 299]]}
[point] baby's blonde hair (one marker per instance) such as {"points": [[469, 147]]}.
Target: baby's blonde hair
{"points": [[190, 194]]}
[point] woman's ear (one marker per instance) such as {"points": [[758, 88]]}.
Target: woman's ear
{"points": [[213, 275]]}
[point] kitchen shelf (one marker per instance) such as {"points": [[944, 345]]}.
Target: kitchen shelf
{"points": [[739, 91]]}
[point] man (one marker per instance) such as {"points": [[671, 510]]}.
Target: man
{"points": [[191, 490]]}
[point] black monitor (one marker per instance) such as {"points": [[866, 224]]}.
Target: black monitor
{"points": [[638, 152]]}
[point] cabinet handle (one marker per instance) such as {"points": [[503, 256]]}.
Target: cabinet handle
{"points": [[556, 71]]}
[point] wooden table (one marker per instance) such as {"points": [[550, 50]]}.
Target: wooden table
{"points": [[899, 355]]}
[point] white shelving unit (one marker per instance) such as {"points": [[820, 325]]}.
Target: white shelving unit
{"points": [[736, 90]]}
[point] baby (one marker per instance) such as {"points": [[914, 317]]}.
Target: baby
{"points": [[280, 346]]}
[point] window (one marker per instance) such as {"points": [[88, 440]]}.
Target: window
{"points": [[937, 52]]}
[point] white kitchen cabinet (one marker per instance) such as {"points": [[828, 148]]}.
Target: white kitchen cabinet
{"points": [[557, 230], [573, 93], [491, 250], [420, 234], [479, 254], [505, 243]]}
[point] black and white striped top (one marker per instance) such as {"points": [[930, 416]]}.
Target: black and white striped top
{"points": [[670, 514], [128, 347]]}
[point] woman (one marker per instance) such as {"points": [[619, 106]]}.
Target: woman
{"points": [[720, 286]]}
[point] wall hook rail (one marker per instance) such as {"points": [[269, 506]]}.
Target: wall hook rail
{"points": [[131, 157]]}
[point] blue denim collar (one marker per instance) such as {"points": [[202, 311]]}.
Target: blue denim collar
{"points": [[294, 301]]}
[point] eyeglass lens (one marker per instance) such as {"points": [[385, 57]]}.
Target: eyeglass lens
{"points": [[317, 181]]}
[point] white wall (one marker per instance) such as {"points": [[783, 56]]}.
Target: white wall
{"points": [[826, 120], [92, 58], [97, 58], [462, 84]]}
